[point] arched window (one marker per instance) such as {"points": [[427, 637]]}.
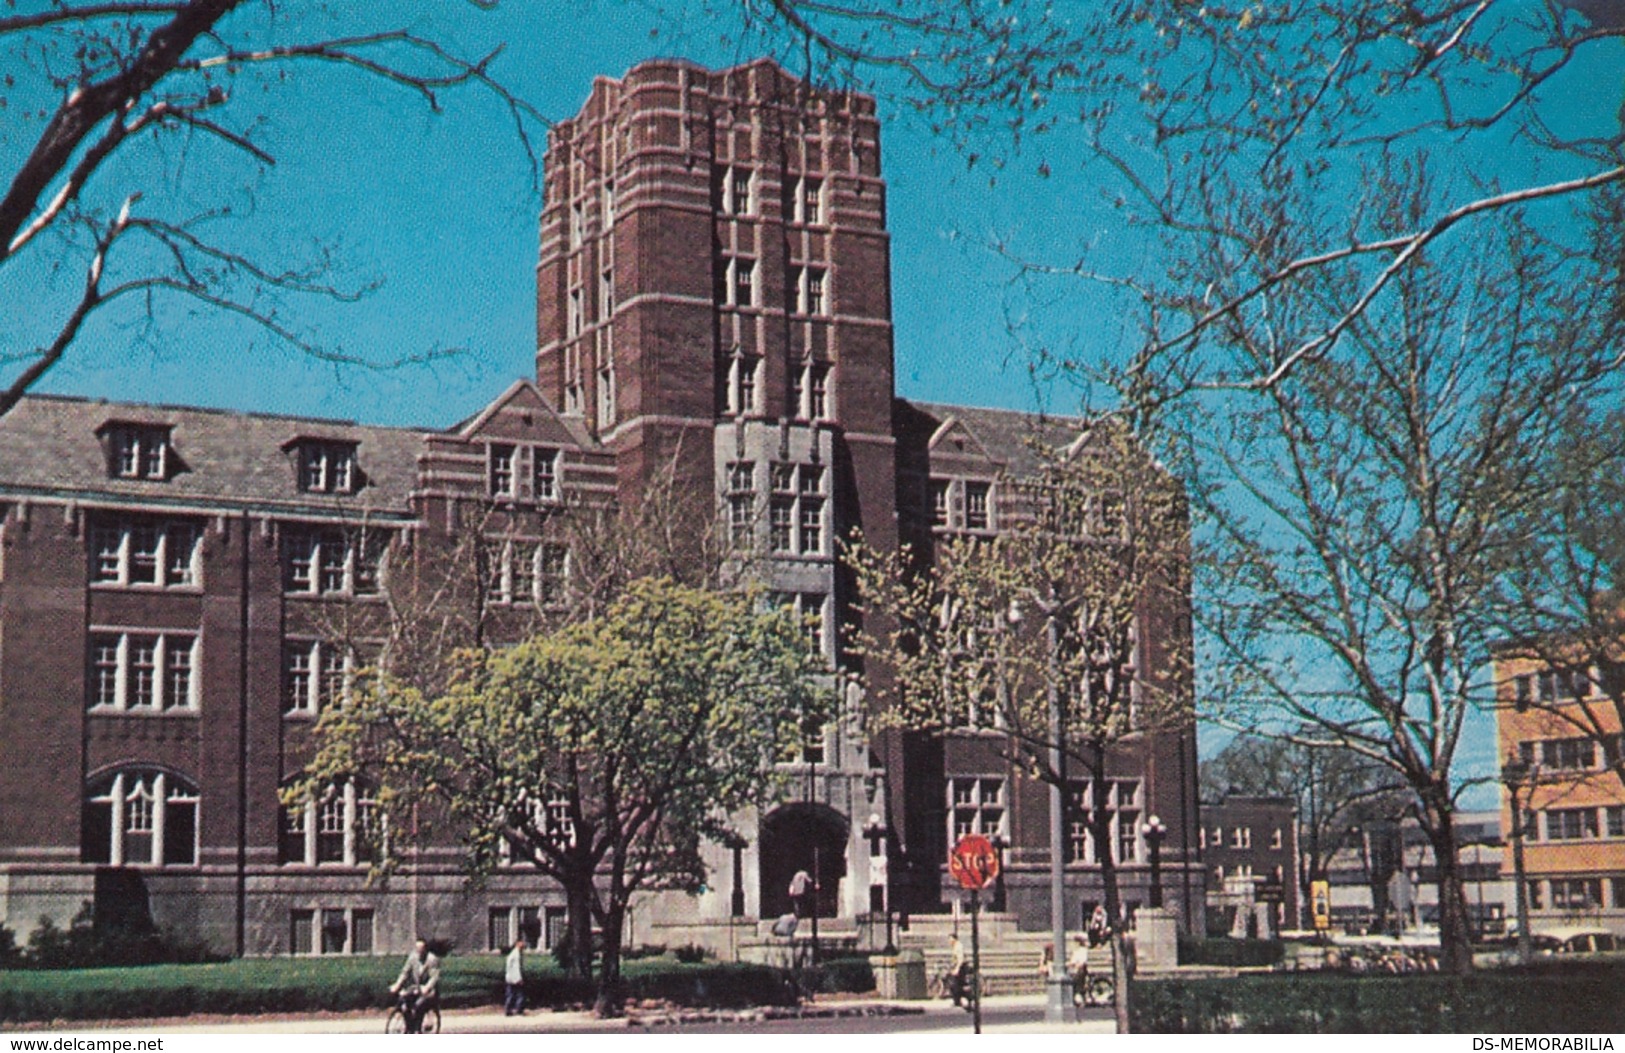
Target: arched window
{"points": [[140, 817], [341, 825]]}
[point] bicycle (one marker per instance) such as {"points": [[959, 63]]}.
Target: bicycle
{"points": [[395, 1023], [943, 983]]}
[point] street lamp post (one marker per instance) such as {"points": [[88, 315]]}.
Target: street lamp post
{"points": [[1365, 872], [1515, 774], [736, 844], [1059, 987], [1155, 831]]}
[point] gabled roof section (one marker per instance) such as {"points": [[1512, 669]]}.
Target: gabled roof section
{"points": [[953, 436], [523, 414], [1010, 438]]}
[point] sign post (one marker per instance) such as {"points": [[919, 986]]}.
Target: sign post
{"points": [[973, 863]]}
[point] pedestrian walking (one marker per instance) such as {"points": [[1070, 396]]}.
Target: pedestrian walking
{"points": [[801, 887], [958, 972], [1077, 964], [513, 1003]]}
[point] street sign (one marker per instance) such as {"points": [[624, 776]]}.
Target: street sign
{"points": [[1320, 904], [973, 862]]}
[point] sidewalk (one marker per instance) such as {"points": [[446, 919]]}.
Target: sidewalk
{"points": [[936, 1015]]}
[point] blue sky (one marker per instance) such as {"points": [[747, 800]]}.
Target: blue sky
{"points": [[440, 210]]}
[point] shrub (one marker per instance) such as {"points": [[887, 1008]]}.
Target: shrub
{"points": [[84, 945], [1230, 952], [11, 956], [853, 974], [1552, 997], [690, 953]]}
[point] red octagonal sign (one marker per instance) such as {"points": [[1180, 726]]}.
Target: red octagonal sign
{"points": [[973, 862]]}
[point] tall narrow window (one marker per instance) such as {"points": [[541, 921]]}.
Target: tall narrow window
{"points": [[547, 474], [553, 569], [145, 541], [744, 282], [941, 506], [606, 395], [501, 473], [815, 290], [180, 554], [740, 187], [977, 516], [780, 523], [143, 674], [818, 391], [178, 676], [812, 200]]}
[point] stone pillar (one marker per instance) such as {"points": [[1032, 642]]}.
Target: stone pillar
{"points": [[1156, 939]]}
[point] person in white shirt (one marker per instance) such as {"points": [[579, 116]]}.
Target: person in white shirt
{"points": [[513, 1003]]}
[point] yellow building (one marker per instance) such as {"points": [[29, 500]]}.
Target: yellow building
{"points": [[1566, 732]]}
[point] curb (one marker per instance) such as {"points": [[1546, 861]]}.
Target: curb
{"points": [[752, 1016]]}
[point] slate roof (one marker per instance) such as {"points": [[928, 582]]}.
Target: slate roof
{"points": [[1008, 435], [49, 447]]}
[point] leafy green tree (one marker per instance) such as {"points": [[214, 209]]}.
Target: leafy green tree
{"points": [[1063, 637], [603, 753]]}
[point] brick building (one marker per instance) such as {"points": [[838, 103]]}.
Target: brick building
{"points": [[1573, 800], [182, 590], [1250, 846]]}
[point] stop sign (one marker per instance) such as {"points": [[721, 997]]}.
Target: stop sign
{"points": [[973, 862]]}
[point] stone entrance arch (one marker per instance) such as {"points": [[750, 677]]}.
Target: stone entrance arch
{"points": [[802, 836]]}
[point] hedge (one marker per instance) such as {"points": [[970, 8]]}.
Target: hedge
{"points": [[1230, 953], [279, 985], [1565, 997]]}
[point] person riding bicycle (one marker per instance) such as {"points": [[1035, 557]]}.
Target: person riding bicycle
{"points": [[418, 986]]}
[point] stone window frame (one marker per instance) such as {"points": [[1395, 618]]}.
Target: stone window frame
{"points": [[114, 671], [148, 802]]}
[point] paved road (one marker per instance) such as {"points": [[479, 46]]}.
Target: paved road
{"points": [[1007, 1014]]}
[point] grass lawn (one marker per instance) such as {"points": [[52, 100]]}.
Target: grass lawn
{"points": [[267, 985]]}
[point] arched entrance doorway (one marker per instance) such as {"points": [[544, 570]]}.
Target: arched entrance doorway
{"points": [[802, 836]]}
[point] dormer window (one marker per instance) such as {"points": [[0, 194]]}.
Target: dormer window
{"points": [[138, 451], [327, 467]]}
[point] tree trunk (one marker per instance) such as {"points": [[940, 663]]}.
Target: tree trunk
{"points": [[1100, 832], [611, 998], [1455, 930], [578, 897]]}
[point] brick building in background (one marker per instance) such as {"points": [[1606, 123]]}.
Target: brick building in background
{"points": [[1250, 846], [182, 590], [1572, 799]]}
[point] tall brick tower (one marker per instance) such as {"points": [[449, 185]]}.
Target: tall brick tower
{"points": [[713, 302], [714, 281]]}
